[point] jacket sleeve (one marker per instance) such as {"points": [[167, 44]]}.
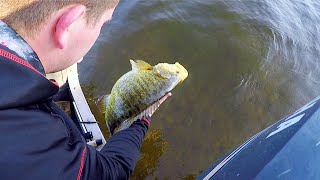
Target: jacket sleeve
{"points": [[118, 157]]}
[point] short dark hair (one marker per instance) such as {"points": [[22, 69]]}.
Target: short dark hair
{"points": [[27, 16]]}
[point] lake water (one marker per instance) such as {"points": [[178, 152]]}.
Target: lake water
{"points": [[250, 63]]}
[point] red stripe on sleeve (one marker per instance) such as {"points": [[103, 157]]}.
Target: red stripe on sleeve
{"points": [[18, 60], [82, 163]]}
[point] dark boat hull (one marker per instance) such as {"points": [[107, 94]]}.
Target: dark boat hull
{"points": [[289, 149]]}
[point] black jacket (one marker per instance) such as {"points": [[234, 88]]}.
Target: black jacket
{"points": [[38, 140]]}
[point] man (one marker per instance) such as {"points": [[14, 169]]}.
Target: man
{"points": [[39, 141]]}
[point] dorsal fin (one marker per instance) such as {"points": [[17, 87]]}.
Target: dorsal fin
{"points": [[140, 65]]}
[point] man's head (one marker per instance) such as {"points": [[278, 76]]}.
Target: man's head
{"points": [[60, 31]]}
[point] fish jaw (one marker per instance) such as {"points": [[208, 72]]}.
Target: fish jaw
{"points": [[183, 73]]}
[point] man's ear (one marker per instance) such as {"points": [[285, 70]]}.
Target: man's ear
{"points": [[62, 27]]}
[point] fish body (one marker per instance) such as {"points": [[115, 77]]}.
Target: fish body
{"points": [[138, 89]]}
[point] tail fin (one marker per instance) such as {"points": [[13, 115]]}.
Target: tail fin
{"points": [[102, 102]]}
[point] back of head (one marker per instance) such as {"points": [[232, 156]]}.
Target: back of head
{"points": [[28, 16]]}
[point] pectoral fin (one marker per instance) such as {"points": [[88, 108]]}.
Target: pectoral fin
{"points": [[140, 65]]}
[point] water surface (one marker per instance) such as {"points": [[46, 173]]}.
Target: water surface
{"points": [[250, 63]]}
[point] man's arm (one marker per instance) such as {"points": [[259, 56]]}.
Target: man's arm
{"points": [[118, 157]]}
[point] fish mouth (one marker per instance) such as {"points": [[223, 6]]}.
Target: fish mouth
{"points": [[183, 73]]}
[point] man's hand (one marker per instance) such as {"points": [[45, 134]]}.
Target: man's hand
{"points": [[150, 110]]}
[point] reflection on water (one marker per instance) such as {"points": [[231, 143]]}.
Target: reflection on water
{"points": [[250, 63], [153, 148]]}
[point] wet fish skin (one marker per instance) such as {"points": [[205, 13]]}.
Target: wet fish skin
{"points": [[138, 89]]}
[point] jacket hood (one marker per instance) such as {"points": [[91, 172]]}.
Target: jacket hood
{"points": [[22, 77]]}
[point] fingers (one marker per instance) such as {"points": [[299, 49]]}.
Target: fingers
{"points": [[153, 109], [148, 112], [157, 104], [164, 98]]}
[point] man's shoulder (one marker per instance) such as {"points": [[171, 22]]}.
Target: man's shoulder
{"points": [[40, 125], [41, 138], [40, 119]]}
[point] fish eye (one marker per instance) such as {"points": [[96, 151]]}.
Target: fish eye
{"points": [[177, 72]]}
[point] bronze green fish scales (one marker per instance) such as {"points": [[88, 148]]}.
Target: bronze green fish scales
{"points": [[138, 89]]}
